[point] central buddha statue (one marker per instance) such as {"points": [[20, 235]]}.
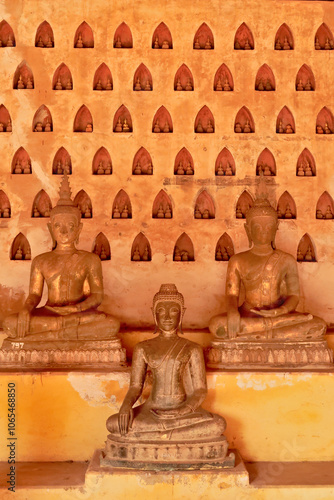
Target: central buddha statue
{"points": [[170, 428], [262, 292], [70, 313]]}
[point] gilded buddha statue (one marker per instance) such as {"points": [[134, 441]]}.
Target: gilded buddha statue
{"points": [[70, 318], [170, 428], [266, 320]]}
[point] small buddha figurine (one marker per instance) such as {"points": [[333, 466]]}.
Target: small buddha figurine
{"points": [[247, 128], [197, 44], [116, 214], [227, 86], [125, 212], [189, 169], [79, 44], [156, 43], [219, 255], [188, 85], [137, 170], [109, 84], [107, 170], [219, 86], [300, 85], [148, 86], [184, 256], [209, 128], [327, 130], [171, 423], [165, 44], [98, 86], [238, 128], [286, 45], [228, 170], [156, 128], [47, 127], [300, 170], [247, 45], [70, 312], [18, 254], [178, 85], [220, 169], [308, 85], [319, 129], [58, 85], [260, 85], [137, 85], [20, 83], [40, 42], [329, 213], [208, 44], [49, 43], [69, 85], [10, 42], [198, 214], [9, 126], [177, 254], [125, 127], [199, 128], [18, 167], [280, 127], [166, 128], [119, 126], [160, 213], [308, 256], [317, 45], [38, 127], [265, 313], [6, 213], [100, 169], [103, 254], [146, 255], [327, 44], [30, 84], [149, 169], [278, 45], [136, 254], [89, 127], [319, 214], [180, 169], [168, 212], [268, 85], [1, 127], [118, 44], [308, 169], [27, 168]]}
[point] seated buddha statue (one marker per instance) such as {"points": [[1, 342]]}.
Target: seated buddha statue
{"points": [[70, 312], [268, 279], [172, 415]]}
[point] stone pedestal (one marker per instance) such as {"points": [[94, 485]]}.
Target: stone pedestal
{"points": [[62, 355], [269, 354], [167, 455]]}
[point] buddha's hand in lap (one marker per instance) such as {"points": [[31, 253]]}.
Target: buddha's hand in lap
{"points": [[233, 323], [270, 313], [125, 418], [184, 409], [64, 310], [23, 322]]}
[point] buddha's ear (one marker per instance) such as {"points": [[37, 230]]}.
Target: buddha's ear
{"points": [[156, 329], [250, 242], [79, 231], [273, 243], [54, 243], [180, 324]]}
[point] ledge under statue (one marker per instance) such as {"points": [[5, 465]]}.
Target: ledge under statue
{"points": [[265, 330], [68, 330], [170, 430]]}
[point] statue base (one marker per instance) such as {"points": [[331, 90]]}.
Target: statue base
{"points": [[167, 455], [269, 354], [62, 355]]}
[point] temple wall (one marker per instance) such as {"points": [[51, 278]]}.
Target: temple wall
{"points": [[129, 286]]}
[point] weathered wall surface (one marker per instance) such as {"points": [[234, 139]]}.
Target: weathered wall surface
{"points": [[129, 285]]}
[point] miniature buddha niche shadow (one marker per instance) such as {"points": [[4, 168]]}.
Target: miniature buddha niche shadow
{"points": [[170, 429], [268, 277], [70, 317]]}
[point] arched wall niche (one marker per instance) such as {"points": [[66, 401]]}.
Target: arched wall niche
{"points": [[184, 249]]}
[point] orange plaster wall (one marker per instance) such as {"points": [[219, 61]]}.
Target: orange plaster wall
{"points": [[270, 416], [130, 286]]}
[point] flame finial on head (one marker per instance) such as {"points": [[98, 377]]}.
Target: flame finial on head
{"points": [[261, 205], [65, 193]]}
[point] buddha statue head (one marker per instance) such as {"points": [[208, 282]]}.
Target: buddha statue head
{"points": [[261, 222], [168, 309], [65, 218]]}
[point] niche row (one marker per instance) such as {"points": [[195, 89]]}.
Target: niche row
{"points": [[183, 249], [143, 81], [162, 207], [162, 38], [162, 121], [183, 164]]}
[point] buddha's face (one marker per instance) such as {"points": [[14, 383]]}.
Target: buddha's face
{"points": [[65, 228], [262, 229], [168, 315]]}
